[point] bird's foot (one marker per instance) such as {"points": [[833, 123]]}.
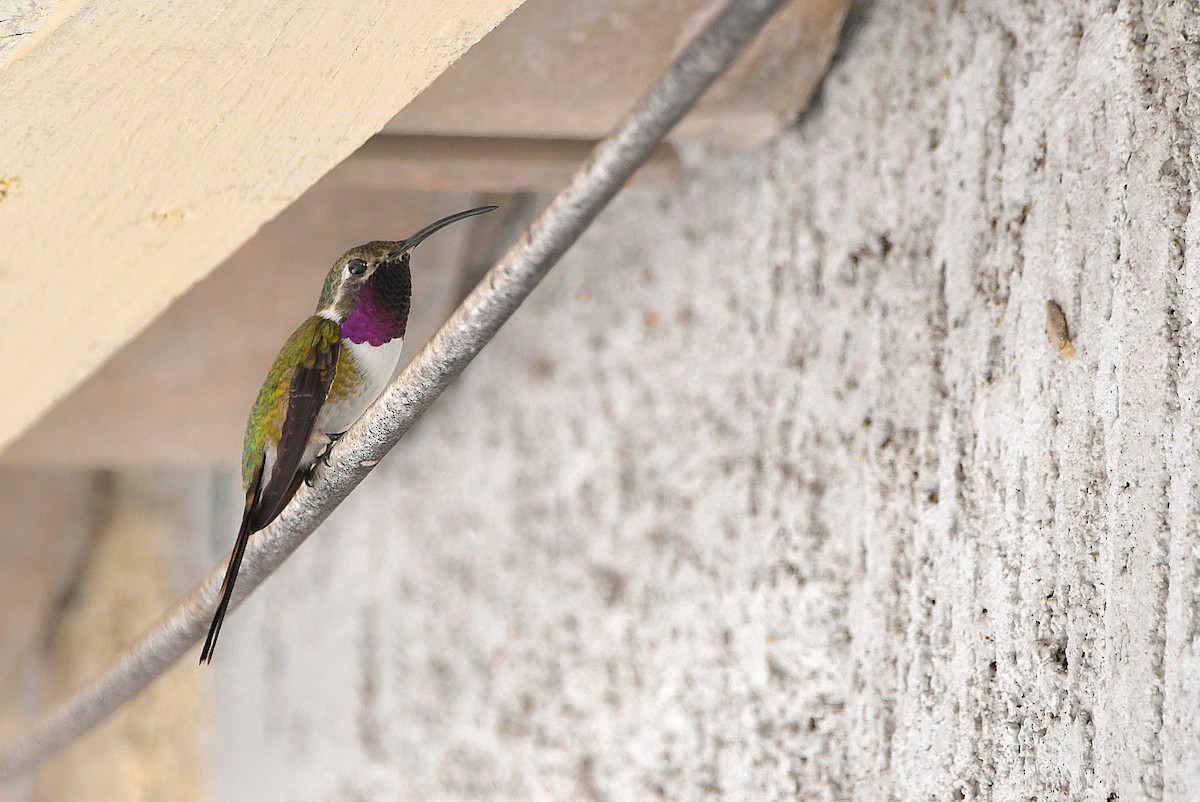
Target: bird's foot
{"points": [[310, 475], [322, 460], [325, 455]]}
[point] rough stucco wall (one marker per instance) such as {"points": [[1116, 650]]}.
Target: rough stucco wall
{"points": [[137, 564], [778, 490]]}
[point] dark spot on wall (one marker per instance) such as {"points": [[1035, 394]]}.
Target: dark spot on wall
{"points": [[541, 369], [610, 584]]}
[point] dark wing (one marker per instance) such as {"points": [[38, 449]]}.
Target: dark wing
{"points": [[306, 395], [235, 562]]}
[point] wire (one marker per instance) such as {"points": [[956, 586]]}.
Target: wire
{"points": [[442, 359]]}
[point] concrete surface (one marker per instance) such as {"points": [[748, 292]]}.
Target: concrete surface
{"points": [[149, 545], [779, 489], [46, 520]]}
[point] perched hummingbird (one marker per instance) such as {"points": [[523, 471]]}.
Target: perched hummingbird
{"points": [[329, 371]]}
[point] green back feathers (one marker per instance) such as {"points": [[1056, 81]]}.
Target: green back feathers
{"points": [[266, 417]]}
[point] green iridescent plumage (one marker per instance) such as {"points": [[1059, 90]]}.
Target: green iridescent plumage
{"points": [[266, 417]]}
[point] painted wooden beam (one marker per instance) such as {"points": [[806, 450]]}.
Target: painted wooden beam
{"points": [[139, 148], [482, 164], [569, 69]]}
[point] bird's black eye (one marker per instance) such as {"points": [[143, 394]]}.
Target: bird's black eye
{"points": [[356, 267]]}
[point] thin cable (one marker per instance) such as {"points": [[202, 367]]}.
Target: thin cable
{"points": [[443, 358]]}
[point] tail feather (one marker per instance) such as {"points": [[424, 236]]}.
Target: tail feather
{"points": [[235, 563]]}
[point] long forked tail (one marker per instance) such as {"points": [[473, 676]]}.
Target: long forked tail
{"points": [[235, 563]]}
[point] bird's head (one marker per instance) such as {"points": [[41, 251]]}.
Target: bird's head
{"points": [[382, 266]]}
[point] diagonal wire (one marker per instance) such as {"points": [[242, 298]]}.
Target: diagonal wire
{"points": [[442, 359]]}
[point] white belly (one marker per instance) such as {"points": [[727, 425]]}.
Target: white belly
{"points": [[377, 364]]}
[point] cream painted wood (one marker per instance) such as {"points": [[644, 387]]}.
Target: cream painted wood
{"points": [[139, 148]]}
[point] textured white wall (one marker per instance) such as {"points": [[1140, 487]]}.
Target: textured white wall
{"points": [[777, 488]]}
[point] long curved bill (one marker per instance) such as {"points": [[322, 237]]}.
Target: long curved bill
{"points": [[438, 225]]}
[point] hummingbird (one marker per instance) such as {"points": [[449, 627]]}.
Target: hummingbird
{"points": [[327, 374]]}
